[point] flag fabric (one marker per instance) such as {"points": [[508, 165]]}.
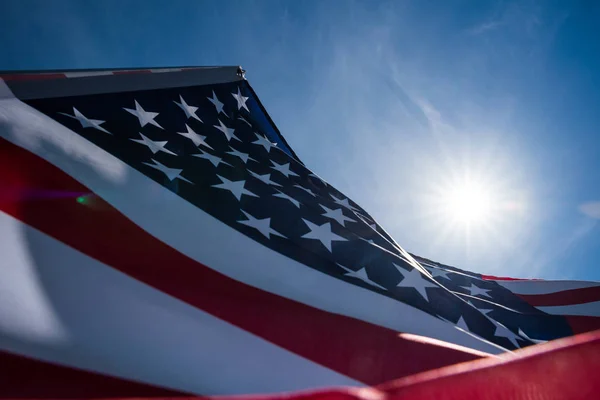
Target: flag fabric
{"points": [[563, 369], [161, 238]]}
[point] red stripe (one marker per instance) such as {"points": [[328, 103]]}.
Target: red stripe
{"points": [[128, 72], [504, 278], [30, 77], [563, 298], [582, 323], [565, 369], [362, 351], [23, 377]]}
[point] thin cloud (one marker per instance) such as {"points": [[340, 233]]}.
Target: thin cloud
{"points": [[401, 124], [485, 27], [591, 209]]}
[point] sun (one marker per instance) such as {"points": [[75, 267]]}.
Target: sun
{"points": [[468, 203], [471, 206]]}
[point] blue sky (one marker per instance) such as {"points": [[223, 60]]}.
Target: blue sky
{"points": [[391, 102]]}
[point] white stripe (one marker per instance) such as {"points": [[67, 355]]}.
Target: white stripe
{"points": [[591, 309], [87, 73], [545, 287], [205, 239], [62, 306]]}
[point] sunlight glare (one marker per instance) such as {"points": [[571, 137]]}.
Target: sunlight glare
{"points": [[468, 203]]}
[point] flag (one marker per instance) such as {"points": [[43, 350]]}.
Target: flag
{"points": [[160, 237]]}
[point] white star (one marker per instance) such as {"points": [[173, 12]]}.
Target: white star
{"points": [[414, 279], [360, 274], [484, 311], [241, 100], [228, 132], [261, 225], [243, 119], [322, 233], [266, 178], [503, 331], [336, 215], [86, 122], [171, 173], [306, 190], [145, 117], [530, 339], [343, 203], [264, 142], [154, 147], [218, 105], [236, 188], [282, 195], [194, 137], [475, 291], [190, 111], [243, 156], [213, 159], [461, 323], [284, 169], [438, 273]]}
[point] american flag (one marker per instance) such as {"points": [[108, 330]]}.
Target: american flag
{"points": [[159, 237]]}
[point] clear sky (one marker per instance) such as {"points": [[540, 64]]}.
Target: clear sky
{"points": [[395, 103]]}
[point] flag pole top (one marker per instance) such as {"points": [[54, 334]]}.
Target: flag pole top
{"points": [[44, 84]]}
